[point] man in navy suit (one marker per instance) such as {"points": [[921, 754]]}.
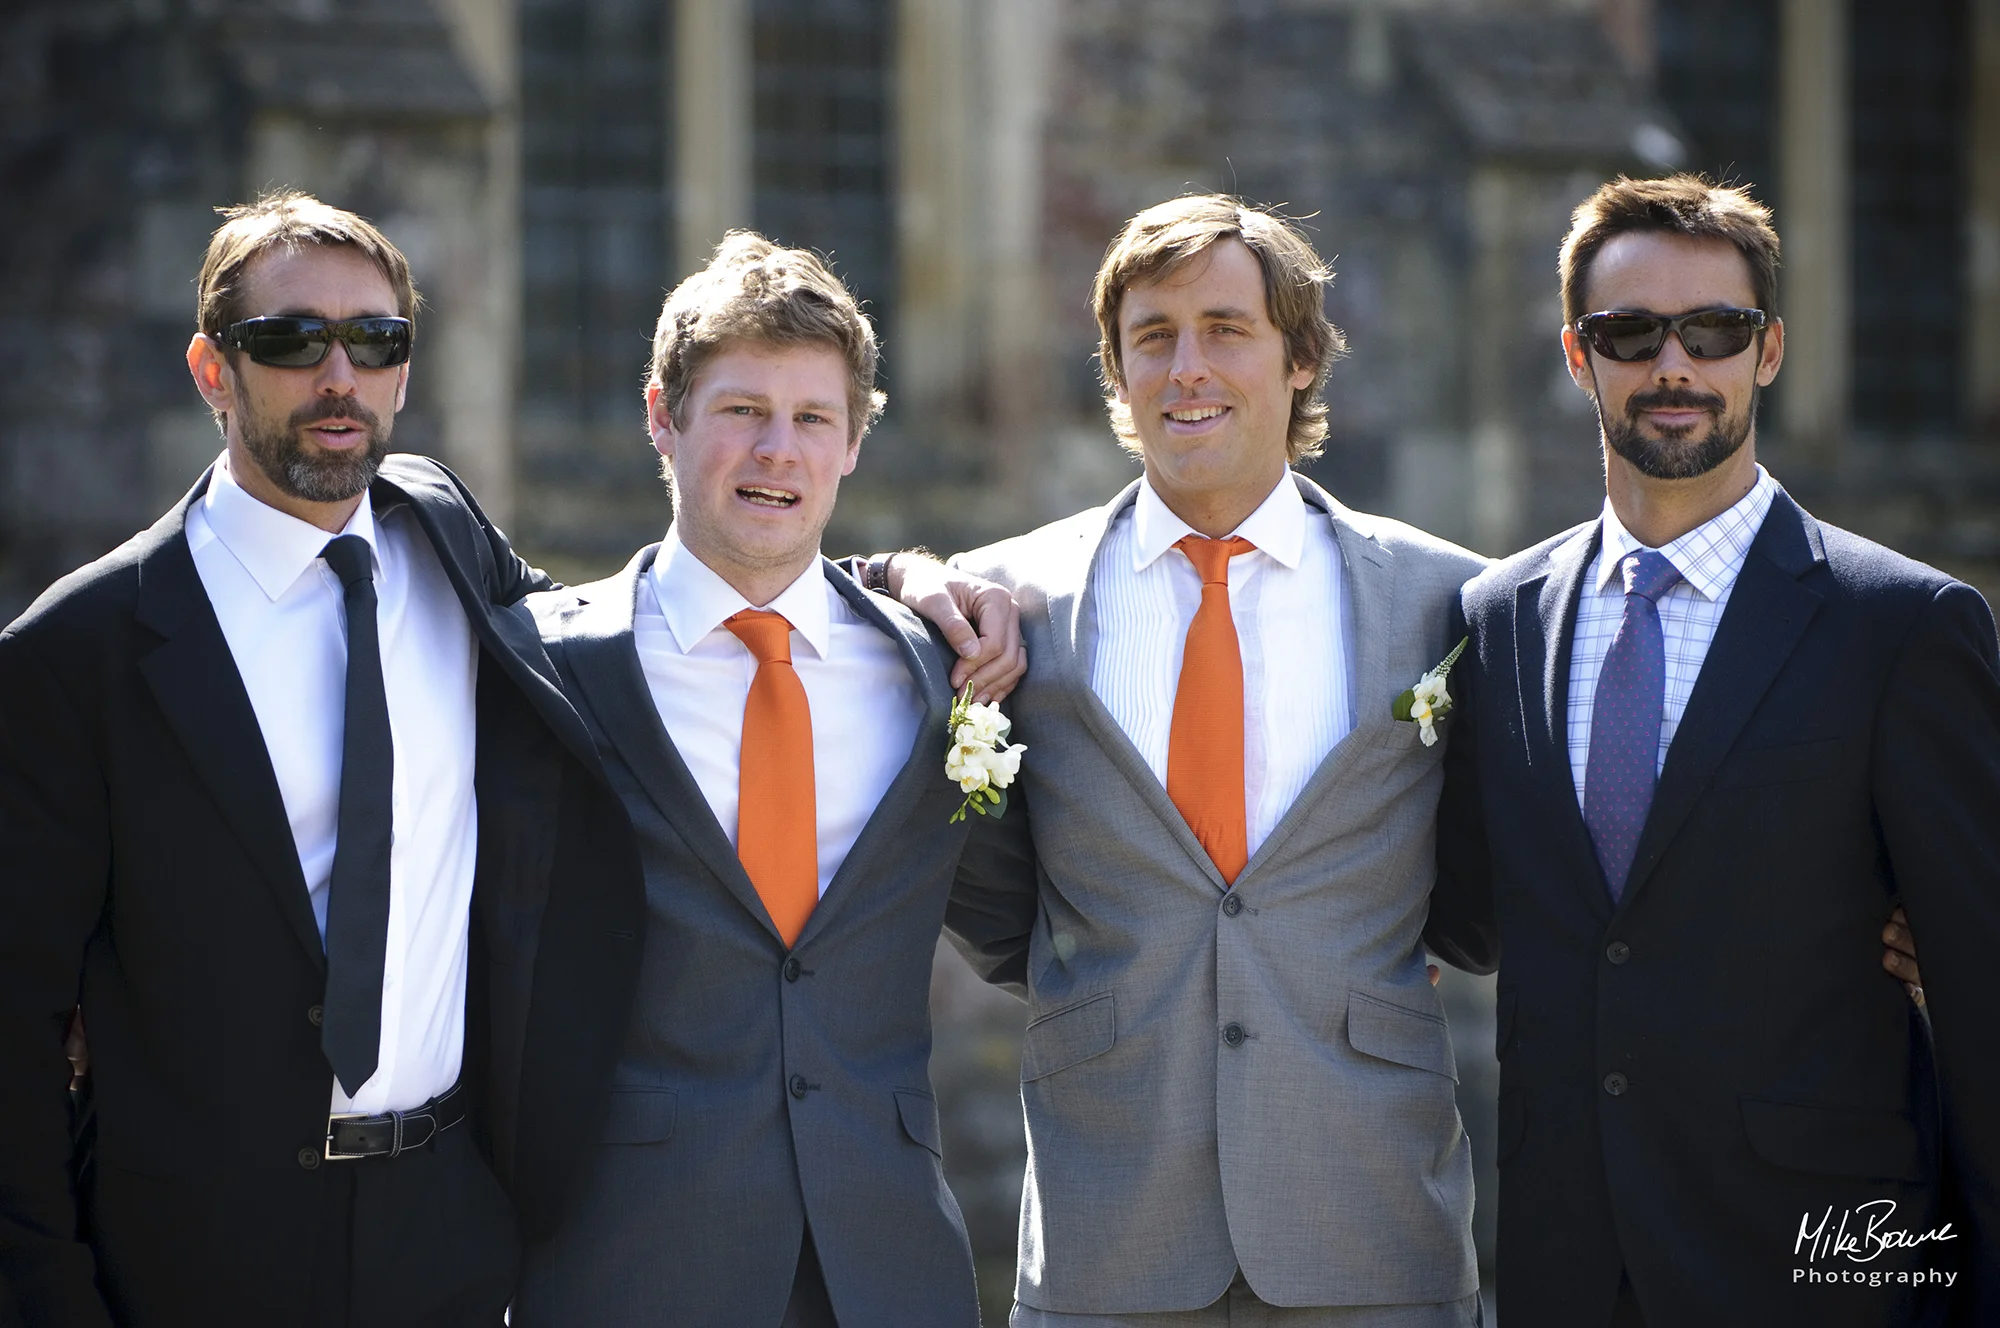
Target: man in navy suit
{"points": [[1700, 745]]}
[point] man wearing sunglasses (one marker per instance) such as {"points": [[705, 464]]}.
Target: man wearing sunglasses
{"points": [[238, 763], [1700, 745]]}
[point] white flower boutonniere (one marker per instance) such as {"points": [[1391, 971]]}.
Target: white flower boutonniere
{"points": [[1428, 702], [978, 758]]}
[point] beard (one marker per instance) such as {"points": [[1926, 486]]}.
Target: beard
{"points": [[301, 470], [1678, 454]]}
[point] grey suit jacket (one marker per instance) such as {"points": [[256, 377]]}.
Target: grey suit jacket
{"points": [[1212, 1078], [761, 1088]]}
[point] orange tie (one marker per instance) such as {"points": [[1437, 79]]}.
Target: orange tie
{"points": [[1205, 746], [776, 825]]}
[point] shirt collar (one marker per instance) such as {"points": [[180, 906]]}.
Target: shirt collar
{"points": [[1277, 527], [1707, 557], [695, 600], [274, 547]]}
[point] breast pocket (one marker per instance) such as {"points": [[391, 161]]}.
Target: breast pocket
{"points": [[1791, 763]]}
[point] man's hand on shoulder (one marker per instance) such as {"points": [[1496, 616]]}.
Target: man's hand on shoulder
{"points": [[978, 618]]}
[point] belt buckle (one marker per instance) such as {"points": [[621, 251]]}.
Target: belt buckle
{"points": [[334, 1119]]}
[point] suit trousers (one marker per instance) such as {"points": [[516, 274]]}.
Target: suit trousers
{"points": [[810, 1305], [1240, 1307], [424, 1240]]}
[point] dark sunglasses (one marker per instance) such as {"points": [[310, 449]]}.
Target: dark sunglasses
{"points": [[284, 342], [1707, 334]]}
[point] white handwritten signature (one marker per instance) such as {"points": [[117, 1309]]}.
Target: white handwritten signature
{"points": [[1860, 1234]]}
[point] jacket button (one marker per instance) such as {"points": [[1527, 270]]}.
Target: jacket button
{"points": [[1614, 1083], [1231, 905], [314, 1014], [1618, 952], [1233, 1035], [309, 1158], [799, 1086], [792, 970]]}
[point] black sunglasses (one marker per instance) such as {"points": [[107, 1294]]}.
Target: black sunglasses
{"points": [[284, 342], [1707, 334]]}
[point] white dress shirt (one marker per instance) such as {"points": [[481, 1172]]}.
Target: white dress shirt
{"points": [[283, 614], [1288, 600], [1709, 558], [865, 705]]}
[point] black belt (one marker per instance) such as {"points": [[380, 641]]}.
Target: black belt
{"points": [[355, 1136]]}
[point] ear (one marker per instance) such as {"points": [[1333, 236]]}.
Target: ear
{"points": [[1302, 378], [1577, 356], [853, 456], [402, 384], [1772, 354], [213, 377], [659, 423]]}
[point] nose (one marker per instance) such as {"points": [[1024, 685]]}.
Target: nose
{"points": [[777, 442], [336, 372], [1190, 366], [1673, 363]]}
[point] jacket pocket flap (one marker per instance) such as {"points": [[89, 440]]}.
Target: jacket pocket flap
{"points": [[640, 1115], [1876, 1145], [920, 1119], [1068, 1036], [1393, 1033]]}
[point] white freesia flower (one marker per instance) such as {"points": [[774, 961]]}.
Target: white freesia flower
{"points": [[1429, 700], [979, 759]]}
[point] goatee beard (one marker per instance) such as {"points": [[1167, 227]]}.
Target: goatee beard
{"points": [[1679, 455], [312, 475]]}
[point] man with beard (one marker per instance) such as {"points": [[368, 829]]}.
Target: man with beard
{"points": [[1699, 746], [239, 828]]}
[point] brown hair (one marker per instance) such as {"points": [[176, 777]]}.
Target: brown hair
{"points": [[287, 219], [1166, 236], [1690, 205], [755, 290]]}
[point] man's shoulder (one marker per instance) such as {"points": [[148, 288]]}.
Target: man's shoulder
{"points": [[1441, 557], [1858, 566], [1501, 578], [1030, 559], [102, 592]]}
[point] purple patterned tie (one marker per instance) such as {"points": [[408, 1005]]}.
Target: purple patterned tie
{"points": [[1625, 720]]}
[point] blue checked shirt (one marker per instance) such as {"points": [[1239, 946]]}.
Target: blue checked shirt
{"points": [[1709, 558]]}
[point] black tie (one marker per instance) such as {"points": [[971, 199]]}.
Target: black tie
{"points": [[357, 902]]}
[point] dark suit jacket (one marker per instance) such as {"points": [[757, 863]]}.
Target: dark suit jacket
{"points": [[762, 1087], [147, 868], [1689, 1075]]}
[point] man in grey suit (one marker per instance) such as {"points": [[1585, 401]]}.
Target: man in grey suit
{"points": [[1237, 1080], [777, 734]]}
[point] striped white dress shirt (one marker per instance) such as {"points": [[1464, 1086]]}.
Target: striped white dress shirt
{"points": [[1288, 600], [1709, 558]]}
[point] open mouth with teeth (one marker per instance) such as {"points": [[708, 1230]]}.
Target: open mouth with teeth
{"points": [[1195, 414], [763, 497]]}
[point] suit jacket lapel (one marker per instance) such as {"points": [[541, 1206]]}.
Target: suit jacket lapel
{"points": [[598, 648], [194, 679], [1767, 614], [1544, 628], [1072, 617], [1369, 570], [924, 767], [507, 632]]}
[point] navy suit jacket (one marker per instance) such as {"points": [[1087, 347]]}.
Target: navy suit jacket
{"points": [[1694, 1078]]}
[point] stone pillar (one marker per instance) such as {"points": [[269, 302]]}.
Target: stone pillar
{"points": [[1982, 141], [1814, 209], [713, 119], [1498, 460], [937, 155], [1018, 42], [478, 353]]}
